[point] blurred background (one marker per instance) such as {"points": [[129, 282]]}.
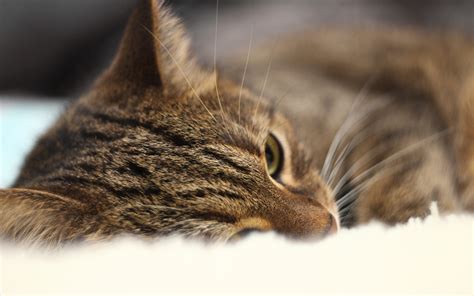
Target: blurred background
{"points": [[51, 50], [55, 47]]}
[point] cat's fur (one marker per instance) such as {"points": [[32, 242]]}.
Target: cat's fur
{"points": [[163, 146]]}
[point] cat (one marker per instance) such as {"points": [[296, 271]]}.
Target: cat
{"points": [[377, 125]]}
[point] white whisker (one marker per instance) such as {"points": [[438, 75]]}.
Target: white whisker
{"points": [[245, 68], [343, 130], [405, 151], [365, 159], [215, 60], [390, 158], [282, 97], [349, 196], [340, 160], [266, 79], [350, 123], [345, 216], [355, 141]]}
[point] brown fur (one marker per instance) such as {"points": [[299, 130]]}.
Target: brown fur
{"points": [[161, 146]]}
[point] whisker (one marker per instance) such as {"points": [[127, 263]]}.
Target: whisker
{"points": [[360, 137], [344, 202], [346, 217], [343, 132], [215, 60], [390, 158], [405, 151], [278, 126], [344, 129], [180, 70], [282, 97], [215, 72], [351, 194], [245, 68], [340, 160], [266, 79], [366, 158]]}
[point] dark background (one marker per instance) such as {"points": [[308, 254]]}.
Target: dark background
{"points": [[56, 47]]}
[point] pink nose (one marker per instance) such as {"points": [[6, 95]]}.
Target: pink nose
{"points": [[332, 229]]}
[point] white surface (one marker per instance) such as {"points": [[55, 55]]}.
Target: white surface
{"points": [[430, 257]]}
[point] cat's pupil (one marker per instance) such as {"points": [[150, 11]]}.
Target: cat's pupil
{"points": [[269, 156], [273, 156]]}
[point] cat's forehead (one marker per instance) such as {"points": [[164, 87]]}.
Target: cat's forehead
{"points": [[225, 116], [210, 104]]}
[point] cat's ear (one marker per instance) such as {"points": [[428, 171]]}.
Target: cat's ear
{"points": [[37, 216], [154, 51]]}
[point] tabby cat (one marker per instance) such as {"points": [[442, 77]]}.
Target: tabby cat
{"points": [[345, 127]]}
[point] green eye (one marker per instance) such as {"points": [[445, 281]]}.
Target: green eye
{"points": [[273, 156]]}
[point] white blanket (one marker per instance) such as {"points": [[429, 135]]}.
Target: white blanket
{"points": [[421, 257]]}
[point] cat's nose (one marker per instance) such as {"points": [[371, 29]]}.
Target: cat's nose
{"points": [[298, 229], [333, 226], [303, 220]]}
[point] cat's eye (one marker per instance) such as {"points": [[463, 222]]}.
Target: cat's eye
{"points": [[273, 156]]}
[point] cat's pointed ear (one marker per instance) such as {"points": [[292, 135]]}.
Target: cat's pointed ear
{"points": [[154, 51], [38, 216]]}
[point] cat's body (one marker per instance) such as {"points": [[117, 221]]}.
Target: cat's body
{"points": [[160, 146], [398, 124]]}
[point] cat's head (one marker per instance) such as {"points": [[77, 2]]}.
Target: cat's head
{"points": [[161, 146]]}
